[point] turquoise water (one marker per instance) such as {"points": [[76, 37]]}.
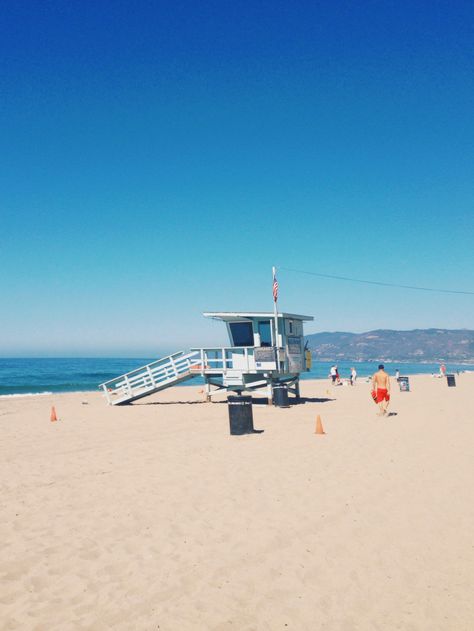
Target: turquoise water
{"points": [[33, 376], [364, 369]]}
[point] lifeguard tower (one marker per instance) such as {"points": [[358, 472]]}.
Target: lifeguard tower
{"points": [[266, 350]]}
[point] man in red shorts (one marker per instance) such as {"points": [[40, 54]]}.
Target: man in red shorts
{"points": [[381, 386]]}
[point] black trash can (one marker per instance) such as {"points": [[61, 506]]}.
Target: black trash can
{"points": [[404, 384], [280, 395], [451, 381], [240, 415]]}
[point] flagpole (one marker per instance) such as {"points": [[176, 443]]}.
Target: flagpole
{"points": [[275, 309]]}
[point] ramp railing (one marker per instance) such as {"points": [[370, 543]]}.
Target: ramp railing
{"points": [[156, 376]]}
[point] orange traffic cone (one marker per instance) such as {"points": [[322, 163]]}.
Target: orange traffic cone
{"points": [[319, 426], [53, 415]]}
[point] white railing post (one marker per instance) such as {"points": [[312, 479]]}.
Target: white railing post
{"points": [[150, 374], [173, 365]]}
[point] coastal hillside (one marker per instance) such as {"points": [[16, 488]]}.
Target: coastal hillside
{"points": [[419, 345]]}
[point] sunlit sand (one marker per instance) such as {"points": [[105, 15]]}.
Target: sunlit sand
{"points": [[152, 516]]}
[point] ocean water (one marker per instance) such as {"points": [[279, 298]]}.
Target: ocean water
{"points": [[22, 377], [38, 376]]}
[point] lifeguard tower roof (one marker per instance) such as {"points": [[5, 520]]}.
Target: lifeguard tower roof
{"points": [[228, 316]]}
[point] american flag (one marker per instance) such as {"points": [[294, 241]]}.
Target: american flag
{"points": [[275, 289]]}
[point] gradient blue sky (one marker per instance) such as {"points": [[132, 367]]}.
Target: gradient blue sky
{"points": [[159, 158]]}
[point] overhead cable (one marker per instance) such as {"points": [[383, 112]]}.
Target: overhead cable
{"points": [[375, 282]]}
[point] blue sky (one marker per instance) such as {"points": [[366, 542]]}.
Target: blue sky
{"points": [[159, 158]]}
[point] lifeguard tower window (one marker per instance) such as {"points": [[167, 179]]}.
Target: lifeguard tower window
{"points": [[265, 333], [242, 333]]}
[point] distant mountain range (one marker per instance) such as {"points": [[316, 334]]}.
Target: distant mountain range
{"points": [[419, 345]]}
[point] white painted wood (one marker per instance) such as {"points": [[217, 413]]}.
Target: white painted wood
{"points": [[228, 316]]}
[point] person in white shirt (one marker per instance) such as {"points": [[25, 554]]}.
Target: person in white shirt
{"points": [[353, 376]]}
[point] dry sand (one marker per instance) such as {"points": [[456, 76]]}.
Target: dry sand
{"points": [[152, 517]]}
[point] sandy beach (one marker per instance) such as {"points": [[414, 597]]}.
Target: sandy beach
{"points": [[152, 517]]}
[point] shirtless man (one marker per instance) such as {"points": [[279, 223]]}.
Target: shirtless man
{"points": [[381, 385]]}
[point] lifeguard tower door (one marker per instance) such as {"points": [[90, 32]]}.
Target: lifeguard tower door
{"points": [[294, 345]]}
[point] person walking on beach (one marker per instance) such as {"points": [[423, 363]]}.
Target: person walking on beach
{"points": [[333, 374], [381, 387], [353, 376]]}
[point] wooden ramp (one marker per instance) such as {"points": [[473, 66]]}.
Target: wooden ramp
{"points": [[158, 375]]}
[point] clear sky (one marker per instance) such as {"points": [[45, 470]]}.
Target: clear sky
{"points": [[159, 157]]}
